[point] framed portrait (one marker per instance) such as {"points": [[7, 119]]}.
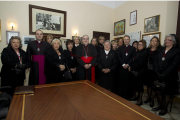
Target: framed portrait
{"points": [[27, 39], [50, 21], [0, 31], [76, 36], [9, 34], [119, 27], [152, 24], [148, 37], [133, 17]]}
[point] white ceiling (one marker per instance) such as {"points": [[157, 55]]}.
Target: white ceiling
{"points": [[111, 4]]}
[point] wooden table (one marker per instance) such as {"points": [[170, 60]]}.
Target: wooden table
{"points": [[79, 100]]}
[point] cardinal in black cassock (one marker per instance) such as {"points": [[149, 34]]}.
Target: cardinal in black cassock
{"points": [[36, 59], [86, 58], [125, 55]]}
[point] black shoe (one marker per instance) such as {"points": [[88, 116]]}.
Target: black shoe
{"points": [[163, 112], [133, 99], [139, 104], [157, 108], [152, 103]]}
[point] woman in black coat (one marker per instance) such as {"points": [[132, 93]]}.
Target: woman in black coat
{"points": [[137, 69], [166, 67], [71, 59], [14, 64], [55, 63], [107, 65], [152, 51]]}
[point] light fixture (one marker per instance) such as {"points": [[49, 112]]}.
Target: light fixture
{"points": [[12, 25], [75, 32]]}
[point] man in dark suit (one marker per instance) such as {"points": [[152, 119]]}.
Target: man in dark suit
{"points": [[125, 55]]}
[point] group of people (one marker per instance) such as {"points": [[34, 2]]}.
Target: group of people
{"points": [[114, 65]]}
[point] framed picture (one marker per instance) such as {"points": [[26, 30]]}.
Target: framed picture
{"points": [[133, 17], [151, 24], [119, 27], [134, 36], [118, 38], [0, 31], [9, 34], [27, 39], [50, 21], [75, 36], [148, 37]]}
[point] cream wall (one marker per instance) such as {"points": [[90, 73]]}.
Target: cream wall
{"points": [[168, 11], [86, 17]]}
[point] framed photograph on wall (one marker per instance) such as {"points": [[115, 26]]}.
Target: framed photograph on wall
{"points": [[148, 37], [27, 39], [9, 34], [0, 31], [133, 17], [152, 24], [119, 27], [50, 21]]}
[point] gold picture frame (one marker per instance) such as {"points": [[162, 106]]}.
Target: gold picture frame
{"points": [[152, 24], [147, 37]]}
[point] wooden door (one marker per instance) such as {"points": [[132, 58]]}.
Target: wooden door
{"points": [[97, 34]]}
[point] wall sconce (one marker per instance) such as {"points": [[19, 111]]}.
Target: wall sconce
{"points": [[75, 32], [12, 25]]}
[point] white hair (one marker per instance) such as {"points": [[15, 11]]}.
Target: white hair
{"points": [[107, 41], [173, 39], [54, 40]]}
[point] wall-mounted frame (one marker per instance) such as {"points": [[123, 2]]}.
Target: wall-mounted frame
{"points": [[50, 21], [0, 31], [152, 24], [119, 27], [133, 18], [9, 34], [148, 37], [27, 39]]}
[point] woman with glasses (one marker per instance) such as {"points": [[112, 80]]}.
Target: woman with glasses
{"points": [[137, 69], [166, 67]]}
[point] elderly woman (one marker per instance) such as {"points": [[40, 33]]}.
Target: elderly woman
{"points": [[107, 64], [55, 63], [71, 58], [49, 39], [114, 45], [166, 66], [137, 68], [14, 64], [120, 42], [100, 43], [152, 52], [134, 44], [76, 42]]}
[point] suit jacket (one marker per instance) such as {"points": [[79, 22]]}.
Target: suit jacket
{"points": [[121, 54], [169, 67], [110, 62]]}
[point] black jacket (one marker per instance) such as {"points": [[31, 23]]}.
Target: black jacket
{"points": [[53, 73], [169, 67], [9, 60], [71, 60], [110, 62]]}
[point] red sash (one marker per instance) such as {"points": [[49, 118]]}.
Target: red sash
{"points": [[88, 60]]}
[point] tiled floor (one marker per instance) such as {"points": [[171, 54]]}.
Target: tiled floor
{"points": [[175, 111]]}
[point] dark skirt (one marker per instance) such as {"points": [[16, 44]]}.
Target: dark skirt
{"points": [[106, 80], [115, 81], [150, 78]]}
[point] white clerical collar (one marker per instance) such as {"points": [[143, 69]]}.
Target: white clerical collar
{"points": [[76, 45], [127, 45], [106, 51], [39, 41]]}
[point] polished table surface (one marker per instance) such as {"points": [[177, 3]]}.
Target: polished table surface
{"points": [[79, 100]]}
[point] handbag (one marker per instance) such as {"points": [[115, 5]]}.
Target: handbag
{"points": [[67, 75], [135, 73], [159, 86]]}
